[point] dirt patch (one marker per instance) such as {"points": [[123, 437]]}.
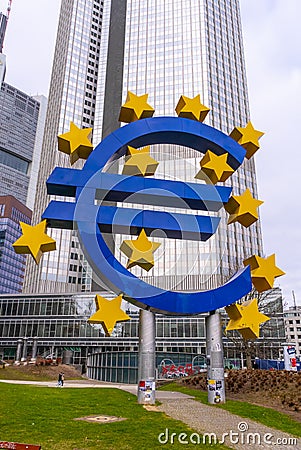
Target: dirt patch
{"points": [[280, 390], [102, 419], [152, 408], [38, 373]]}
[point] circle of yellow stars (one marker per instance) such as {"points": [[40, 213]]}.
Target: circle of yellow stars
{"points": [[241, 208]]}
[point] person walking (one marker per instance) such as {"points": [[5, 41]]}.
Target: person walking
{"points": [[60, 381]]}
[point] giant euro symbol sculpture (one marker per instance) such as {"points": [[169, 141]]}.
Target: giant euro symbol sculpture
{"points": [[92, 184]]}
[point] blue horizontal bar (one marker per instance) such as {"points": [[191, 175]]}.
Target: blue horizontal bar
{"points": [[150, 191], [111, 219]]}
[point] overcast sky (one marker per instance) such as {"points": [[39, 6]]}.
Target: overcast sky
{"points": [[272, 37]]}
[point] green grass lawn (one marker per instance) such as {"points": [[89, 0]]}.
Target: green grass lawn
{"points": [[266, 416], [45, 416]]}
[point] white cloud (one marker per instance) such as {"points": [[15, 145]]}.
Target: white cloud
{"points": [[29, 43]]}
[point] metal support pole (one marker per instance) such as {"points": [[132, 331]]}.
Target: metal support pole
{"points": [[215, 370], [147, 358], [19, 351], [34, 349], [24, 354]]}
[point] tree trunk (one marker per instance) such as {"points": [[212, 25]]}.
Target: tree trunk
{"points": [[248, 355]]}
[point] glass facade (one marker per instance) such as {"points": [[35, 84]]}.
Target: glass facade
{"points": [[176, 48], [169, 49], [103, 49], [12, 265], [3, 24], [21, 129], [59, 323], [18, 127], [72, 97], [122, 367]]}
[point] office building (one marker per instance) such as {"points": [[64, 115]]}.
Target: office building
{"points": [[166, 49], [22, 121], [58, 324], [292, 318], [72, 97], [18, 126], [37, 150], [12, 265], [3, 25]]}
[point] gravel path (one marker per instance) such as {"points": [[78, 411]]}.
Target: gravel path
{"points": [[210, 419]]}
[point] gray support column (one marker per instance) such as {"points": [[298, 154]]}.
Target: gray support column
{"points": [[19, 351], [113, 97], [34, 349], [115, 61], [24, 354], [215, 370], [147, 358]]}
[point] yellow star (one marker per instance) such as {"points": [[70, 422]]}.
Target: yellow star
{"points": [[215, 167], [135, 108], [248, 138], [243, 208], [76, 143], [246, 318], [140, 251], [108, 312], [34, 241], [192, 108], [139, 162], [263, 271]]}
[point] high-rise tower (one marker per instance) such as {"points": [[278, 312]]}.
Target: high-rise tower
{"points": [[72, 97], [21, 129], [167, 49], [3, 25], [20, 115]]}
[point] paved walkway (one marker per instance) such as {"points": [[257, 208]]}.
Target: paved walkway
{"points": [[204, 419], [210, 419]]}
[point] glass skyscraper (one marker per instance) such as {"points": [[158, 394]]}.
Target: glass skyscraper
{"points": [[18, 130], [72, 97], [166, 48], [21, 129], [12, 265]]}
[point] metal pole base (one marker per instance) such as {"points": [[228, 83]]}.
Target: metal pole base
{"points": [[215, 370], [146, 392], [147, 358]]}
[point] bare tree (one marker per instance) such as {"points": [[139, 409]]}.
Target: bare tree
{"points": [[270, 303]]}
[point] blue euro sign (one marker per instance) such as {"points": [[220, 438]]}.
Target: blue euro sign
{"points": [[91, 184]]}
